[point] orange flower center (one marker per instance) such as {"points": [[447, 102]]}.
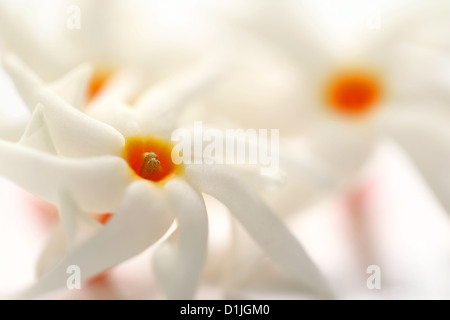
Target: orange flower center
{"points": [[353, 93], [150, 158]]}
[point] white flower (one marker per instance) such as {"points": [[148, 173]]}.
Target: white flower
{"points": [[120, 49], [356, 89], [346, 87], [149, 39], [101, 162]]}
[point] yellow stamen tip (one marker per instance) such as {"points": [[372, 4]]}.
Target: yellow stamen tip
{"points": [[149, 165]]}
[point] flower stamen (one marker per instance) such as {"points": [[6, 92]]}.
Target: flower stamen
{"points": [[149, 165], [150, 158]]}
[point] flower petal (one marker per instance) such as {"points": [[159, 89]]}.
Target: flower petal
{"points": [[341, 147], [120, 85], [25, 81], [54, 249], [425, 136], [186, 248], [158, 107], [120, 116], [49, 56], [96, 184], [72, 86], [76, 134], [138, 223], [11, 129], [259, 221], [77, 225], [73, 133], [37, 135], [287, 25]]}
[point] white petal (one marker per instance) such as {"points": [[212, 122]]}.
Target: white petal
{"points": [[122, 85], [18, 34], [186, 248], [300, 162], [13, 112], [54, 249], [158, 109], [261, 182], [37, 135], [118, 115], [259, 221], [96, 184], [306, 179], [26, 82], [78, 226], [425, 136], [73, 133], [11, 129], [72, 87], [248, 274], [342, 147], [287, 25], [139, 222]]}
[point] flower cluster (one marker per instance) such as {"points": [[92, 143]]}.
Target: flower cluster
{"points": [[103, 95]]}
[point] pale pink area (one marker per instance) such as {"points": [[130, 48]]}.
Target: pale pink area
{"points": [[21, 239], [393, 221], [29, 222]]}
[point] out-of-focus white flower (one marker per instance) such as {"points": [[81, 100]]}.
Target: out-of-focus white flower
{"points": [[119, 48], [103, 161], [346, 86], [355, 89], [150, 39]]}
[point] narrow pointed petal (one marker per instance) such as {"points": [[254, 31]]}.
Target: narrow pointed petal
{"points": [[77, 225], [72, 87], [96, 184], [26, 82], [138, 223], [260, 222], [73, 133], [158, 108], [37, 135], [179, 261], [54, 249]]}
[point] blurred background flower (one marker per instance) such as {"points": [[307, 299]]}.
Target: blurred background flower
{"points": [[364, 77], [358, 90]]}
